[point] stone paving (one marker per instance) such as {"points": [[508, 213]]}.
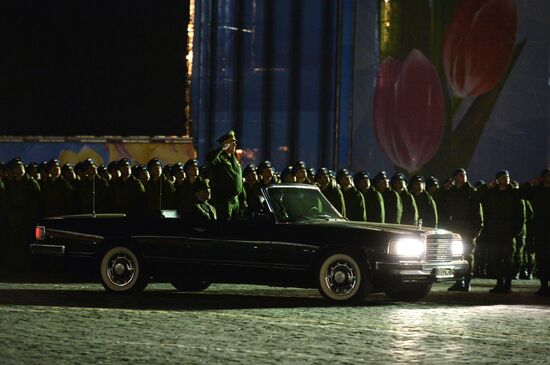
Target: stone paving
{"points": [[44, 323]]}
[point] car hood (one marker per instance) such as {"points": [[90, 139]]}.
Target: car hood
{"points": [[380, 227]]}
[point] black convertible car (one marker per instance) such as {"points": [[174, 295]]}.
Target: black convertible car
{"points": [[298, 239]]}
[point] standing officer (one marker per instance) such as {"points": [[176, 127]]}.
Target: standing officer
{"points": [[159, 191], [128, 191], [538, 192], [374, 202], [23, 204], [330, 190], [392, 202], [410, 210], [57, 192], [427, 210], [354, 200], [226, 177], [503, 221], [463, 216]]}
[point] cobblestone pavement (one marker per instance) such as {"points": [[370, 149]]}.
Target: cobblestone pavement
{"points": [[46, 323]]}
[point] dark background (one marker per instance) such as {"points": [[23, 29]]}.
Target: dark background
{"points": [[101, 67]]}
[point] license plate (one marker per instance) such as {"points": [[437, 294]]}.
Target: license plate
{"points": [[444, 272]]}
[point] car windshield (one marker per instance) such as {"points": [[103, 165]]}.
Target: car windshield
{"points": [[293, 204]]}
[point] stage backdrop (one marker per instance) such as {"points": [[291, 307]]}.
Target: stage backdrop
{"points": [[456, 83]]}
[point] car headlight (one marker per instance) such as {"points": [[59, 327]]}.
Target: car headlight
{"points": [[407, 247], [457, 246]]}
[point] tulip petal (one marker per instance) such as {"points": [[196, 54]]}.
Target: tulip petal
{"points": [[478, 45], [409, 111]]}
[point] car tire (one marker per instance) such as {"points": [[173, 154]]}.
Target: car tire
{"points": [[121, 271], [409, 292], [342, 277], [190, 285]]}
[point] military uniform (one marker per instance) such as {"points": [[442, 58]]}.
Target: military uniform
{"points": [[226, 180], [158, 189], [503, 218], [3, 224], [23, 204], [393, 207], [128, 196], [427, 210], [331, 191], [539, 196], [353, 199], [58, 197]]}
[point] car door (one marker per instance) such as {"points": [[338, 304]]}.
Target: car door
{"points": [[239, 242]]}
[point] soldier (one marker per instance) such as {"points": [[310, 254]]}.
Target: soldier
{"points": [[142, 174], [68, 174], [374, 202], [178, 173], [287, 177], [167, 172], [250, 174], [32, 171], [392, 202], [301, 173], [226, 177], [330, 190], [23, 205], [43, 172], [159, 191], [57, 193], [102, 171], [521, 239], [463, 216], [202, 210], [92, 193], [113, 171], [538, 192], [427, 210], [184, 190], [410, 210], [503, 221], [128, 191], [354, 200]]}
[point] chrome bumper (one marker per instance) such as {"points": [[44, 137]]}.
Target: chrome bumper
{"points": [[423, 271], [47, 250]]}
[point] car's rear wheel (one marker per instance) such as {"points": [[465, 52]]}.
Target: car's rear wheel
{"points": [[190, 285], [342, 277], [121, 271], [409, 292]]}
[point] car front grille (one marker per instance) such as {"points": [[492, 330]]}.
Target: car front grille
{"points": [[439, 247]]}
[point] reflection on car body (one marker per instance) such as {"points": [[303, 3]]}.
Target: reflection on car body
{"points": [[298, 239]]}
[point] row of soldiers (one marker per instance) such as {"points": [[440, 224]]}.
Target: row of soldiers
{"points": [[506, 223]]}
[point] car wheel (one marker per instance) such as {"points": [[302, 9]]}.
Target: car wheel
{"points": [[409, 292], [190, 285], [121, 271], [343, 278]]}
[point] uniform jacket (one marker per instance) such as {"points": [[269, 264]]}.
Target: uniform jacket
{"points": [[226, 175]]}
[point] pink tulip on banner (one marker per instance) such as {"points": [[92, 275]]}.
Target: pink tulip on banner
{"points": [[408, 110], [478, 45]]}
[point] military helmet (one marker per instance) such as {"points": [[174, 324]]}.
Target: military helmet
{"points": [[249, 169], [123, 162], [177, 167], [112, 166], [191, 163], [398, 176], [341, 173], [153, 162], [87, 163], [320, 172], [264, 165], [380, 176], [51, 163], [360, 176]]}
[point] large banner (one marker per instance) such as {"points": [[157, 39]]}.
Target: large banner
{"points": [[445, 84], [102, 152]]}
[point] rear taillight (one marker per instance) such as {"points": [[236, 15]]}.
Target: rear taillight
{"points": [[40, 233]]}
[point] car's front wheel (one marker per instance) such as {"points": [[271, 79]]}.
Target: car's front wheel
{"points": [[121, 271], [342, 277], [190, 285], [409, 292]]}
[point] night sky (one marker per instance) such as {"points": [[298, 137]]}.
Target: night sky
{"points": [[101, 67]]}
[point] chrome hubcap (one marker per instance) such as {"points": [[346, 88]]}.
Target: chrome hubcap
{"points": [[121, 269], [341, 278]]}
